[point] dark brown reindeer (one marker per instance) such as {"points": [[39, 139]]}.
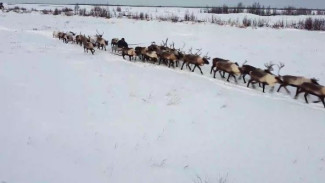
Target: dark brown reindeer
{"points": [[313, 89], [141, 52], [245, 69], [227, 67], [100, 41], [61, 35], [88, 45], [295, 81], [265, 77]]}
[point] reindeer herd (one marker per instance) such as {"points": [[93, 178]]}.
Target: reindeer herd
{"points": [[171, 56]]}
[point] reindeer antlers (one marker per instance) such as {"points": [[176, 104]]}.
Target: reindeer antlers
{"points": [[198, 52], [164, 43], [280, 66], [206, 56], [99, 33], [269, 66], [190, 50]]}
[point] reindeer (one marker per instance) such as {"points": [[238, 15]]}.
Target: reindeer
{"points": [[114, 44], [313, 89], [100, 41], [61, 35], [151, 55], [172, 57], [88, 45], [227, 67], [68, 37], [294, 81], [196, 60], [246, 69], [79, 39], [214, 64], [129, 52], [264, 76], [140, 52]]}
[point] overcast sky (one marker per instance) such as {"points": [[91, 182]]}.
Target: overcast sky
{"points": [[274, 3]]}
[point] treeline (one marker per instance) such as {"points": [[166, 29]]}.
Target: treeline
{"points": [[317, 24], [261, 10]]}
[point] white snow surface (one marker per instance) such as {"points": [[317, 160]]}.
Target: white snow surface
{"points": [[68, 116]]}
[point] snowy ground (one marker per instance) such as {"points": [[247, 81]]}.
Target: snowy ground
{"points": [[67, 116]]}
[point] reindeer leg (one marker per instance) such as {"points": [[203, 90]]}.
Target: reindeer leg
{"points": [[234, 78], [224, 73], [211, 69], [130, 57], [249, 82], [322, 99], [244, 78], [298, 92], [279, 88], [285, 87], [194, 68], [228, 77], [306, 94], [220, 73], [215, 71], [263, 87], [188, 65], [200, 69]]}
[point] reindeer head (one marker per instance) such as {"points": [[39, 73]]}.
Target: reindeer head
{"points": [[314, 80], [206, 58]]}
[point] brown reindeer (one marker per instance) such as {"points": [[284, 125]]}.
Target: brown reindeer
{"points": [[196, 60], [227, 67], [313, 89], [151, 55], [215, 61], [100, 41], [265, 77], [172, 57], [294, 81], [61, 35], [68, 38], [88, 45], [141, 52], [129, 52], [79, 39]]}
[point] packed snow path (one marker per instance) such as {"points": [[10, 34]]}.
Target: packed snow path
{"points": [[67, 116]]}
